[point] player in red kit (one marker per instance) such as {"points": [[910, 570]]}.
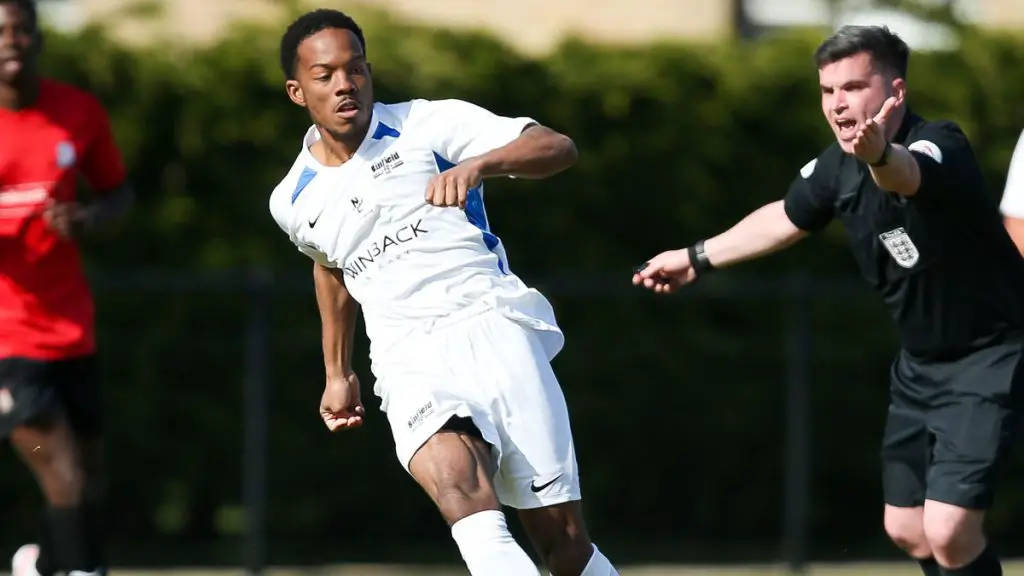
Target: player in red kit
{"points": [[51, 135]]}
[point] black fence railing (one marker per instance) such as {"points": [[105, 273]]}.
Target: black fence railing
{"points": [[796, 292]]}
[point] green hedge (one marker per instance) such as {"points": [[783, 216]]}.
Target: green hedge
{"points": [[678, 405]]}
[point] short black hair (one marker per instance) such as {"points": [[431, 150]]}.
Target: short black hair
{"points": [[28, 7], [309, 24], [887, 49]]}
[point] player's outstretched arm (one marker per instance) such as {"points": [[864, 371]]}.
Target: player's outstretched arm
{"points": [[762, 232], [76, 219], [103, 169], [482, 145], [539, 152], [340, 407]]}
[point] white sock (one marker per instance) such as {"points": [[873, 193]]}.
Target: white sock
{"points": [[599, 565], [487, 547]]}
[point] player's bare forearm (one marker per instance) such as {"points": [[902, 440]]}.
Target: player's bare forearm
{"points": [[338, 312], [538, 152], [762, 232], [900, 175], [1015, 227]]}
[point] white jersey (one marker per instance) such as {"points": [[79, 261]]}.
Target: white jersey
{"points": [[1012, 204], [406, 262]]}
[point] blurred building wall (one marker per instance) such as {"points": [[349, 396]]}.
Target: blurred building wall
{"points": [[533, 26]]}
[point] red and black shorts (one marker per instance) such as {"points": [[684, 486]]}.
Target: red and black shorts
{"points": [[32, 390]]}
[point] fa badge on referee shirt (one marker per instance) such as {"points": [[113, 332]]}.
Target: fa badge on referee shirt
{"points": [[901, 247]]}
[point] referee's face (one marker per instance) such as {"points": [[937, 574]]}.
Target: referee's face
{"points": [[17, 39], [332, 81], [852, 90]]}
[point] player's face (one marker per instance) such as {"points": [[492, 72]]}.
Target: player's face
{"points": [[17, 41], [332, 81], [852, 90]]}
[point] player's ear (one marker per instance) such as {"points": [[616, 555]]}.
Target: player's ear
{"points": [[899, 90], [295, 92]]}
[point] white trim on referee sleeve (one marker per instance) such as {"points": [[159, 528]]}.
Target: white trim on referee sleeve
{"points": [[1012, 204]]}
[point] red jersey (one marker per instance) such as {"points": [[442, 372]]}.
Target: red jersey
{"points": [[46, 307]]}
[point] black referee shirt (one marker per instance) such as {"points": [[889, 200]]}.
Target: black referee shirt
{"points": [[941, 259]]}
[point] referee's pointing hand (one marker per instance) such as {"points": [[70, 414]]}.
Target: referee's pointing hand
{"points": [[666, 272], [869, 144]]}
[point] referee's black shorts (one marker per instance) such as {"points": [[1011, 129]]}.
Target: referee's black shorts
{"points": [[950, 426], [32, 389]]}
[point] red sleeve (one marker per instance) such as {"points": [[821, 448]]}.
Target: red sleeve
{"points": [[102, 165]]}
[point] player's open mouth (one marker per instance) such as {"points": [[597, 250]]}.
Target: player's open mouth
{"points": [[847, 129], [10, 65], [347, 109]]}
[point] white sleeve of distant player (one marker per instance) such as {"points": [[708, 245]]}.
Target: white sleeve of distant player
{"points": [[464, 130], [1012, 204]]}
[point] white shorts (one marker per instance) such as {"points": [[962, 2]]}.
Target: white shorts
{"points": [[496, 372]]}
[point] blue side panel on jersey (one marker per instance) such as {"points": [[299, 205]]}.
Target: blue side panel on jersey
{"points": [[474, 210], [304, 179], [384, 130], [442, 163]]}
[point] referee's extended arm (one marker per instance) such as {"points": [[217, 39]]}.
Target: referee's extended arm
{"points": [[901, 173], [892, 166], [763, 231]]}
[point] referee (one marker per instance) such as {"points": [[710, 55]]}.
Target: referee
{"points": [[929, 239]]}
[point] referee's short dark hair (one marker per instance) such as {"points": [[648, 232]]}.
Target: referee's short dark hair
{"points": [[309, 24], [887, 49]]}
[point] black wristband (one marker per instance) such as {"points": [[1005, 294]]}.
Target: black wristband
{"points": [[885, 157], [699, 259]]}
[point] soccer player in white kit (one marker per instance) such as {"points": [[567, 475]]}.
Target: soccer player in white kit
{"points": [[386, 199], [1012, 204]]}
